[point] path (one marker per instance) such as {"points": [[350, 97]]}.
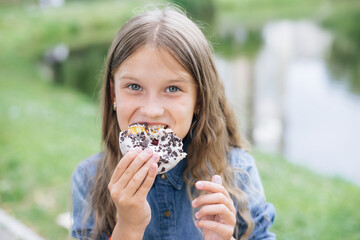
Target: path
{"points": [[12, 229]]}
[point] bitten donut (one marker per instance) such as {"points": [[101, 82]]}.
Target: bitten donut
{"points": [[162, 140]]}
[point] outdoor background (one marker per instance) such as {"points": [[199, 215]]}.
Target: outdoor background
{"points": [[291, 69]]}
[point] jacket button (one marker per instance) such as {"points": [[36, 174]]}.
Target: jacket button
{"points": [[167, 213], [163, 176]]}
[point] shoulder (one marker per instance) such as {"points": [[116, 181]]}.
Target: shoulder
{"points": [[247, 174], [82, 181], [241, 159], [86, 169], [248, 179], [89, 165]]}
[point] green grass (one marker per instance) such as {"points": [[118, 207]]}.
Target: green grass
{"points": [[308, 205], [45, 131]]}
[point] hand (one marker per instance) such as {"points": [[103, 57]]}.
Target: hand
{"points": [[217, 215], [129, 185]]}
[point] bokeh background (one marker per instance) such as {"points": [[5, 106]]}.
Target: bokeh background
{"points": [[291, 69]]}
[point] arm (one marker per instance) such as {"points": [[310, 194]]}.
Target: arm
{"points": [[80, 188], [249, 181]]}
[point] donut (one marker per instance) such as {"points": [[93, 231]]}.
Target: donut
{"points": [[161, 140]]}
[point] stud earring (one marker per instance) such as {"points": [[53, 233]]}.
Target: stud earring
{"points": [[114, 106]]}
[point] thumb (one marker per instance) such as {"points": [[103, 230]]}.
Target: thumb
{"points": [[217, 179]]}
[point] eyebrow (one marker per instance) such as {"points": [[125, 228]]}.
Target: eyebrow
{"points": [[128, 77], [166, 80]]}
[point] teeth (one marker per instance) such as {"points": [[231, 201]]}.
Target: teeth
{"points": [[156, 127], [136, 129]]}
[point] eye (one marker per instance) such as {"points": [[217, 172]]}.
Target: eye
{"points": [[134, 87], [172, 89]]}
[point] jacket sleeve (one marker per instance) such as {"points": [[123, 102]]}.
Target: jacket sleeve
{"points": [[82, 181], [248, 179]]}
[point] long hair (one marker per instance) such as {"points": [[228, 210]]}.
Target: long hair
{"points": [[213, 131]]}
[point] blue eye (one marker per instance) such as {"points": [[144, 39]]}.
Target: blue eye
{"points": [[134, 87], [172, 89]]}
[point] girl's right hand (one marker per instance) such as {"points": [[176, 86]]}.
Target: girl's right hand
{"points": [[129, 185]]}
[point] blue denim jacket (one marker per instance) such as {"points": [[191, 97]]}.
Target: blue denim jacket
{"points": [[171, 210]]}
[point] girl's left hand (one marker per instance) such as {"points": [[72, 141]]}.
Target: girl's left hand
{"points": [[217, 215]]}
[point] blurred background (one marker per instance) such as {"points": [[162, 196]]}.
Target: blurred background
{"points": [[291, 69]]}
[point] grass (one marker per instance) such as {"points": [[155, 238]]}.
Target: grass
{"points": [[47, 129], [309, 205]]}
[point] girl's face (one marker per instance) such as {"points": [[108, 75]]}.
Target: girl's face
{"points": [[151, 87]]}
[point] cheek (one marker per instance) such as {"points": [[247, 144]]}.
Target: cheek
{"points": [[123, 113], [184, 115], [121, 119]]}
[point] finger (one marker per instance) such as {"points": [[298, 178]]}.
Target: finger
{"points": [[216, 179], [214, 198], [211, 187], [226, 231], [216, 209], [148, 182], [134, 166], [139, 177], [123, 165]]}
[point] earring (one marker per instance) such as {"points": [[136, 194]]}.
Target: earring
{"points": [[114, 106]]}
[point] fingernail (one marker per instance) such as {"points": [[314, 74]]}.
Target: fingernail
{"points": [[149, 151], [132, 153], [199, 184], [217, 179], [155, 157], [193, 203], [197, 214], [138, 150], [153, 166]]}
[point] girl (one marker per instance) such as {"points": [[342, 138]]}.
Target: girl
{"points": [[160, 71]]}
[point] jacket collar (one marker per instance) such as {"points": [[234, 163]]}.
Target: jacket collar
{"points": [[175, 175]]}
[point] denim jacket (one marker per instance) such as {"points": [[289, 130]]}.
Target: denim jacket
{"points": [[171, 210]]}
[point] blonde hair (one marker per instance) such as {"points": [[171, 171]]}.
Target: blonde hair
{"points": [[213, 132]]}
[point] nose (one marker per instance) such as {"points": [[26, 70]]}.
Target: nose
{"points": [[152, 107]]}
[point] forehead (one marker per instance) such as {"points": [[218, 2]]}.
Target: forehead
{"points": [[152, 62]]}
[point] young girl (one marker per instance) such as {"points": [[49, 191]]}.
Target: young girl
{"points": [[160, 71]]}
